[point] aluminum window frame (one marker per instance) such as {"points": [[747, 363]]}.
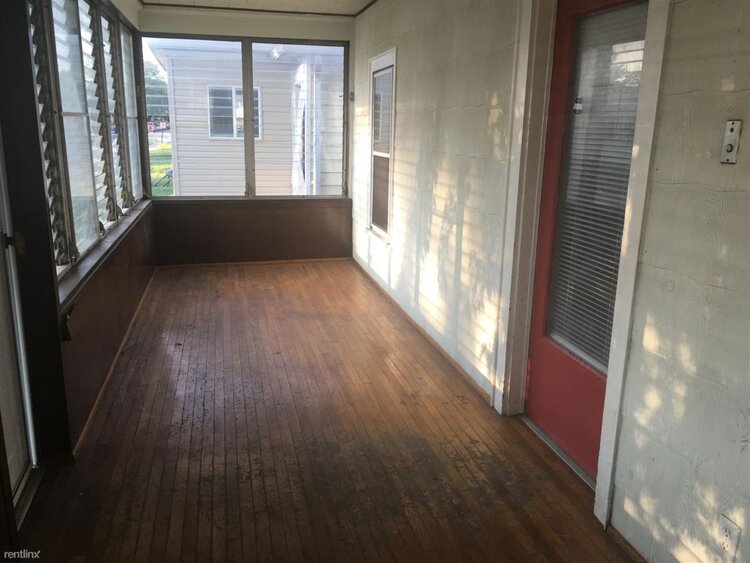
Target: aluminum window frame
{"points": [[247, 84], [52, 122]]}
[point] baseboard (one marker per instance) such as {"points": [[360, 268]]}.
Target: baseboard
{"points": [[453, 363], [254, 263]]}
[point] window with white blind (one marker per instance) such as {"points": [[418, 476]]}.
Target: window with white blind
{"points": [[226, 113], [81, 76], [595, 180], [382, 85], [198, 113]]}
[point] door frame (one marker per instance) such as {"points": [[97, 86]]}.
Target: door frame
{"points": [[534, 57]]}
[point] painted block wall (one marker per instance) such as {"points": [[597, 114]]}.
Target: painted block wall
{"points": [[684, 455], [453, 96]]}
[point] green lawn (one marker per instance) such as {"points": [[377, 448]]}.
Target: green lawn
{"points": [[161, 163]]}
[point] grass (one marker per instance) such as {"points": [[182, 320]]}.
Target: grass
{"points": [[161, 163]]}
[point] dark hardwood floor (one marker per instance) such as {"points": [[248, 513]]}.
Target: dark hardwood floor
{"points": [[292, 412]]}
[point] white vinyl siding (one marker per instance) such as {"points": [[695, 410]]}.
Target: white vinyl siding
{"points": [[202, 165]]}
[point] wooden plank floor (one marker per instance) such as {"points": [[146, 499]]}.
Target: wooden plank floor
{"points": [[292, 412]]}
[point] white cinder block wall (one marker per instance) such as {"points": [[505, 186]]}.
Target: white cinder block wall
{"points": [[684, 455], [453, 97]]}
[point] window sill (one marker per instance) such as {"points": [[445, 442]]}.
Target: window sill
{"points": [[75, 277], [380, 235], [246, 199]]}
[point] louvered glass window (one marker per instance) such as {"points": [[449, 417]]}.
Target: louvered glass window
{"points": [[112, 120], [131, 113], [74, 109], [82, 114], [93, 103], [595, 177]]}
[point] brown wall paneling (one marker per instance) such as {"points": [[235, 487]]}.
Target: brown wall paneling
{"points": [[101, 314], [204, 232]]}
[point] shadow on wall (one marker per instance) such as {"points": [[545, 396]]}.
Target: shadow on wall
{"points": [[684, 442], [451, 224], [684, 445]]}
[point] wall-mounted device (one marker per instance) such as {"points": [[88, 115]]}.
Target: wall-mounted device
{"points": [[731, 141]]}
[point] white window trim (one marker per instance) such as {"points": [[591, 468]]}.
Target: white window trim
{"points": [[378, 63], [657, 29], [234, 136]]}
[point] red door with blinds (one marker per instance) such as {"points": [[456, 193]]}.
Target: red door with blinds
{"points": [[594, 94]]}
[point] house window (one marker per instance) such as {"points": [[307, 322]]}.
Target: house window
{"points": [[195, 104], [83, 114], [383, 72], [226, 114]]}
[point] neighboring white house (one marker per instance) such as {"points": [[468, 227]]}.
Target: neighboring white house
{"points": [[298, 117]]}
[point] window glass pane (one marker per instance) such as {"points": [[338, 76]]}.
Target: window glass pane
{"points": [[380, 193], [239, 113], [111, 108], [68, 47], [594, 182], [221, 112], [77, 144], [300, 151], [131, 112], [75, 122], [135, 158], [187, 158], [257, 112], [382, 110], [92, 102]]}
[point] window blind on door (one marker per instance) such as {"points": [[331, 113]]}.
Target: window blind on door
{"points": [[594, 184]]}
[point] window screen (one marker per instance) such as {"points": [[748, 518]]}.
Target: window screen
{"points": [[301, 148], [594, 183], [192, 86]]}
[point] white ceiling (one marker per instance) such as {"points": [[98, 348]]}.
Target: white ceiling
{"points": [[345, 7]]}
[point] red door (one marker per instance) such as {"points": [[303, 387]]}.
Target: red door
{"points": [[594, 91]]}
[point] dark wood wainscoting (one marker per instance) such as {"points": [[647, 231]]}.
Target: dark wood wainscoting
{"points": [[207, 232], [101, 313]]}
